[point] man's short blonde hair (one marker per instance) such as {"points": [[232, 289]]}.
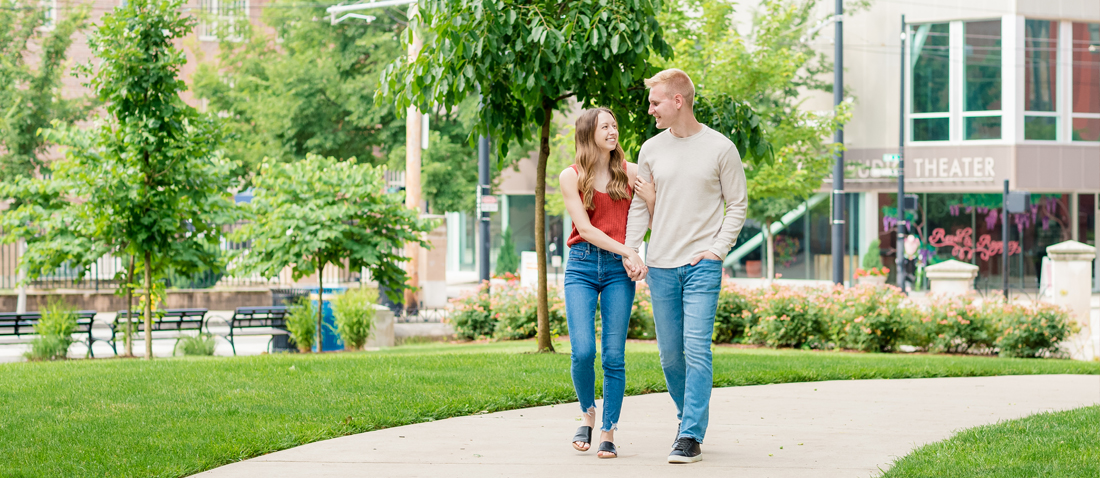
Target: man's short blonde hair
{"points": [[676, 83]]}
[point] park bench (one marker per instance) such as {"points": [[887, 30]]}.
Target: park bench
{"points": [[252, 321], [21, 326], [170, 325]]}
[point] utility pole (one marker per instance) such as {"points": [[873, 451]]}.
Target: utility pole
{"points": [[838, 168], [413, 124], [901, 169], [415, 128]]}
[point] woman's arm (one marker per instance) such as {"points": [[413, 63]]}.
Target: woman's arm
{"points": [[591, 234]]}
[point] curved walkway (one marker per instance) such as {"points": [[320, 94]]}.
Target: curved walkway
{"points": [[821, 429]]}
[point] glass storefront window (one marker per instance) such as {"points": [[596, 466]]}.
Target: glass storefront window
{"points": [[983, 127], [1041, 127], [982, 79], [967, 228], [1040, 80], [931, 129], [930, 82], [1086, 82]]}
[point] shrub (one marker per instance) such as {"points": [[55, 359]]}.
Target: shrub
{"points": [[865, 317], [301, 322], [786, 317], [1031, 331], [354, 313], [48, 347], [873, 258], [734, 315], [953, 325], [202, 344], [515, 310], [507, 260], [55, 331], [641, 315], [469, 314]]}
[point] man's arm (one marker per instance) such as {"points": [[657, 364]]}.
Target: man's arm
{"points": [[638, 222], [731, 174]]}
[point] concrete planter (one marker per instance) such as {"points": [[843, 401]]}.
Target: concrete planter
{"points": [[1071, 274], [873, 280], [951, 277]]}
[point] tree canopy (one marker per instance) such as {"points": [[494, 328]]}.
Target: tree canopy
{"points": [[319, 211], [30, 95], [524, 59]]}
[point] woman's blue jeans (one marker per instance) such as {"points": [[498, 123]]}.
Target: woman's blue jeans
{"points": [[594, 275]]}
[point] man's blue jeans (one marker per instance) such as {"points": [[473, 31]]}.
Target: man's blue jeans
{"points": [[595, 274], [684, 301]]}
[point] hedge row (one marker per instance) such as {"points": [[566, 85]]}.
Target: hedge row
{"points": [[865, 318]]}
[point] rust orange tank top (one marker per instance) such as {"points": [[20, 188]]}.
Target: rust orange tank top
{"points": [[607, 215]]}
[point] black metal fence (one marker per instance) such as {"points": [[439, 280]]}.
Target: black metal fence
{"points": [[104, 274]]}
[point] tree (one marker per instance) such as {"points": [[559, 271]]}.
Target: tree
{"points": [[150, 181], [299, 85], [771, 69], [528, 58], [31, 96], [508, 260], [319, 211]]}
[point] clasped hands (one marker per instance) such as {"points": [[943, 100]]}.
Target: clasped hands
{"points": [[637, 270]]}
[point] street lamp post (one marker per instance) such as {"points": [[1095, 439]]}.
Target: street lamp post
{"points": [[838, 168]]}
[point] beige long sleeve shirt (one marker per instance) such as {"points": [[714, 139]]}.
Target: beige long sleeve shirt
{"points": [[702, 198]]}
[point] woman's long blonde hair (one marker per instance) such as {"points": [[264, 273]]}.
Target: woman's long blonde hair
{"points": [[588, 154]]}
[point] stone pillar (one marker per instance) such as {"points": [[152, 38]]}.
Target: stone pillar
{"points": [[433, 267], [951, 277], [381, 334], [1071, 269]]}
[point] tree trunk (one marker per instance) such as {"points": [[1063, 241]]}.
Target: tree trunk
{"points": [[544, 343], [130, 308], [317, 337], [771, 253], [148, 306]]}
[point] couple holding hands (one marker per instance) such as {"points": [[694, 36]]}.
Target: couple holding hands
{"points": [[688, 189]]}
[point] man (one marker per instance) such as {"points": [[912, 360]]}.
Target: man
{"points": [[700, 208]]}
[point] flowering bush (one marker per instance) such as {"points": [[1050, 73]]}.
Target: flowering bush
{"points": [[787, 317], [865, 317], [469, 314], [641, 316], [503, 313], [515, 310], [1031, 331], [872, 272], [954, 325], [735, 313]]}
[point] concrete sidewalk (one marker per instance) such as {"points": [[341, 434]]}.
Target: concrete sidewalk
{"points": [[820, 429]]}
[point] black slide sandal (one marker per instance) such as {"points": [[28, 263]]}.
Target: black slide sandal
{"points": [[584, 435], [609, 448]]}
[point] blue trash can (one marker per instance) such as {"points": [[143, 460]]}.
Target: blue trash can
{"points": [[330, 340]]}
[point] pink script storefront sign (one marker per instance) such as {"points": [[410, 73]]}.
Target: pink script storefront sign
{"points": [[963, 247]]}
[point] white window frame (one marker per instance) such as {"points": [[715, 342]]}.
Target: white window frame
{"points": [[1059, 85], [951, 67], [208, 23], [1069, 115], [1012, 28], [50, 6]]}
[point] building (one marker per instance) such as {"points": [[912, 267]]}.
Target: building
{"points": [[1002, 90]]}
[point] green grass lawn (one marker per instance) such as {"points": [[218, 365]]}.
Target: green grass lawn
{"points": [[173, 417], [1060, 444]]}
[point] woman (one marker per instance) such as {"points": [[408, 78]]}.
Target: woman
{"points": [[597, 195]]}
